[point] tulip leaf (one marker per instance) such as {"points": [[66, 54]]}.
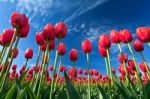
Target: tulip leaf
{"points": [[35, 88], [147, 88], [22, 94], [103, 93], [62, 94], [72, 93], [30, 93], [11, 93]]}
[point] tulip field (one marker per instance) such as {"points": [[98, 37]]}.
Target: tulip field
{"points": [[57, 81]]}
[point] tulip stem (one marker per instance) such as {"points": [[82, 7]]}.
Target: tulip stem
{"points": [[9, 65], [149, 44], [3, 54], [43, 66], [2, 51], [58, 72], [7, 57], [37, 61], [107, 68], [109, 64]]}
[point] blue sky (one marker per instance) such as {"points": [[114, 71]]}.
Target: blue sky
{"points": [[86, 19]]}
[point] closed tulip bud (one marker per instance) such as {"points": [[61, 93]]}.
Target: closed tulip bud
{"points": [[102, 51], [23, 32], [18, 20], [114, 36], [80, 70], [23, 67], [48, 32], [14, 67], [73, 55], [142, 66], [138, 46], [29, 53], [51, 68], [105, 78], [131, 64], [64, 68], [6, 37], [85, 72], [143, 34], [72, 72], [86, 46], [122, 57], [95, 72], [125, 36], [104, 41], [121, 69], [60, 30], [51, 45], [43, 47], [61, 69], [91, 72], [39, 39], [61, 49], [14, 52]]}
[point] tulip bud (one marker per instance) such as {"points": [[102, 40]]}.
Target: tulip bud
{"points": [[23, 32], [72, 72], [61, 49], [91, 72], [73, 55], [95, 72], [51, 68], [80, 70], [121, 69], [138, 46], [131, 64], [60, 30], [113, 70], [125, 36], [86, 46], [104, 41], [114, 36], [122, 57], [102, 51], [61, 69], [142, 66], [14, 67], [29, 53], [143, 34], [39, 39], [85, 72]]}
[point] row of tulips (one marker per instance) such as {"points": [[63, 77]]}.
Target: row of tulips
{"points": [[58, 82]]}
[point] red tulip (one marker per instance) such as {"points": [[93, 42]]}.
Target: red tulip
{"points": [[14, 51], [61, 69], [48, 32], [73, 55], [85, 72], [30, 71], [131, 65], [86, 46], [51, 45], [105, 78], [113, 70], [138, 46], [18, 20], [60, 30], [122, 57], [23, 32], [143, 34], [61, 49], [39, 39], [104, 41], [80, 70], [72, 72], [6, 37], [95, 72], [14, 67], [91, 72], [43, 47], [102, 51], [29, 53], [121, 69], [51, 68], [64, 68], [125, 36], [114, 36], [142, 66]]}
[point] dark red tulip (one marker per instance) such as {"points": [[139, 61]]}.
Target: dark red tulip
{"points": [[114, 36], [60, 30], [142, 66], [51, 68], [23, 32], [85, 72], [43, 47], [104, 41], [80, 70], [143, 34], [39, 39], [113, 70], [102, 51], [29, 53], [73, 55], [30, 71], [131, 65], [121, 69], [91, 72], [138, 46], [61, 69], [48, 32], [95, 72], [61, 49], [86, 46], [64, 68], [123, 57], [125, 36], [51, 45], [14, 52], [72, 72], [19, 20], [6, 37], [14, 67], [105, 78]]}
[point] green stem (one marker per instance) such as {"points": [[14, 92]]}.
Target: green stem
{"points": [[3, 54], [37, 61], [7, 57], [2, 51], [43, 66], [88, 68], [148, 44], [10, 63], [107, 68], [109, 64], [58, 72]]}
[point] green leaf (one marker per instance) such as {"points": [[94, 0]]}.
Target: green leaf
{"points": [[11, 93], [36, 86], [23, 75], [22, 94], [62, 94], [147, 88], [72, 93], [103, 93], [30, 93]]}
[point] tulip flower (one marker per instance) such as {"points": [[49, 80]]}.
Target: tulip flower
{"points": [[73, 55], [115, 36], [79, 70], [86, 46], [29, 53], [104, 41], [121, 69], [15, 51], [122, 57], [61, 49], [131, 65], [14, 67], [125, 36], [138, 46], [143, 67], [23, 32], [72, 72], [60, 30], [102, 51], [85, 72], [50, 68]]}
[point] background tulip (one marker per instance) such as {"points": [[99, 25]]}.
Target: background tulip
{"points": [[138, 46], [125, 36], [114, 36], [29, 53], [104, 41], [73, 55], [39, 39], [61, 49], [86, 46]]}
